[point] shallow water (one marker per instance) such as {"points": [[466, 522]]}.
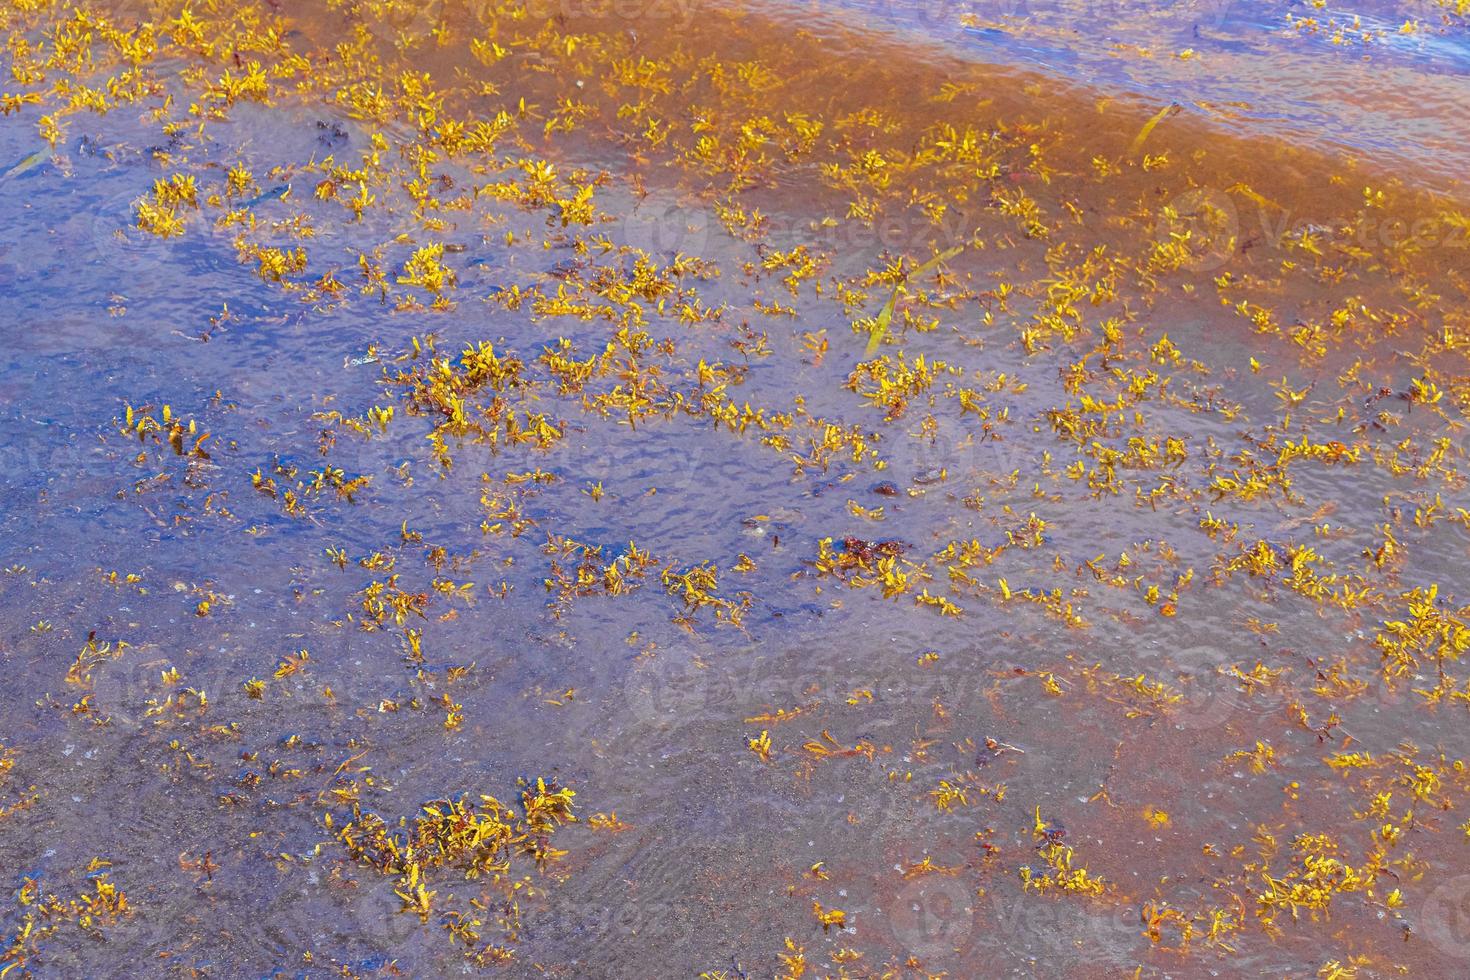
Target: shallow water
{"points": [[1055, 597], [1382, 81]]}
